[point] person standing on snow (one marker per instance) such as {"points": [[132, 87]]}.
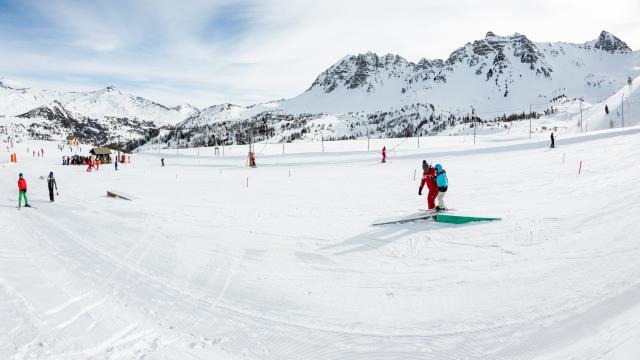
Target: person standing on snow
{"points": [[553, 141], [51, 182], [384, 154], [22, 191], [443, 186], [162, 161], [429, 178], [252, 159]]}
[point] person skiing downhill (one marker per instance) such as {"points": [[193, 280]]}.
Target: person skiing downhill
{"points": [[51, 183], [429, 178], [443, 186], [553, 141], [22, 191], [384, 154]]}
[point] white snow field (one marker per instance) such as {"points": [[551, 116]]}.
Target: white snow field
{"points": [[213, 260]]}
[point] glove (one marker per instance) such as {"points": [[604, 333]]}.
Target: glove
{"points": [[420, 192]]}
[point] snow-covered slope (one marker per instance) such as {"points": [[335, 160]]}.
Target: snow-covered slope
{"points": [[624, 109], [214, 260]]}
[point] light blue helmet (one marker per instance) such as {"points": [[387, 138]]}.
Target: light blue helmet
{"points": [[438, 167]]}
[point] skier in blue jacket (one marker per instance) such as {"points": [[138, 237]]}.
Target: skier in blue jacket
{"points": [[443, 185]]}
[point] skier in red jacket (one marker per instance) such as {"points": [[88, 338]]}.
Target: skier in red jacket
{"points": [[429, 178], [22, 191], [384, 154]]}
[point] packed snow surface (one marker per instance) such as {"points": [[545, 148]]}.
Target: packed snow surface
{"points": [[213, 260]]}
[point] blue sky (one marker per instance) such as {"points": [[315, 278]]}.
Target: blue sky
{"points": [[245, 51]]}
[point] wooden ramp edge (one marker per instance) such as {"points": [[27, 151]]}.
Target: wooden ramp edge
{"points": [[118, 195]]}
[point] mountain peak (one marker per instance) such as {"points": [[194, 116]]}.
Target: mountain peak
{"points": [[610, 43], [52, 111], [110, 89]]}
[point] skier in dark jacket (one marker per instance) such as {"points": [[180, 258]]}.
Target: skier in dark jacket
{"points": [[51, 182], [553, 141]]}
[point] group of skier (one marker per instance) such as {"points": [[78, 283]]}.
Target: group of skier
{"points": [[435, 177], [22, 189]]}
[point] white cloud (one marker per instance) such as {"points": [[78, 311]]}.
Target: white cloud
{"points": [[207, 52]]}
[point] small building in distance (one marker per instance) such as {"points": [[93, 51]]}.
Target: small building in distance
{"points": [[102, 154], [72, 140]]}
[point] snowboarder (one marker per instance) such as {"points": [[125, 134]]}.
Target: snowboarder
{"points": [[429, 178], [606, 109], [51, 182], [162, 161], [384, 154], [443, 186], [553, 141], [22, 191]]}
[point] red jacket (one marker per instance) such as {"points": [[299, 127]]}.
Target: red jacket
{"points": [[22, 184], [429, 178]]}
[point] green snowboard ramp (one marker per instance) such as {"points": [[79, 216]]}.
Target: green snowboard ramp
{"points": [[456, 219]]}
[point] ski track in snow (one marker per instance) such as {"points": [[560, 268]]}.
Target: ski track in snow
{"points": [[200, 266]]}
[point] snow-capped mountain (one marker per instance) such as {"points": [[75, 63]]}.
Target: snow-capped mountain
{"points": [[186, 110], [495, 73], [107, 102], [496, 76], [97, 116], [368, 94], [111, 102], [214, 114], [17, 100], [53, 122]]}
